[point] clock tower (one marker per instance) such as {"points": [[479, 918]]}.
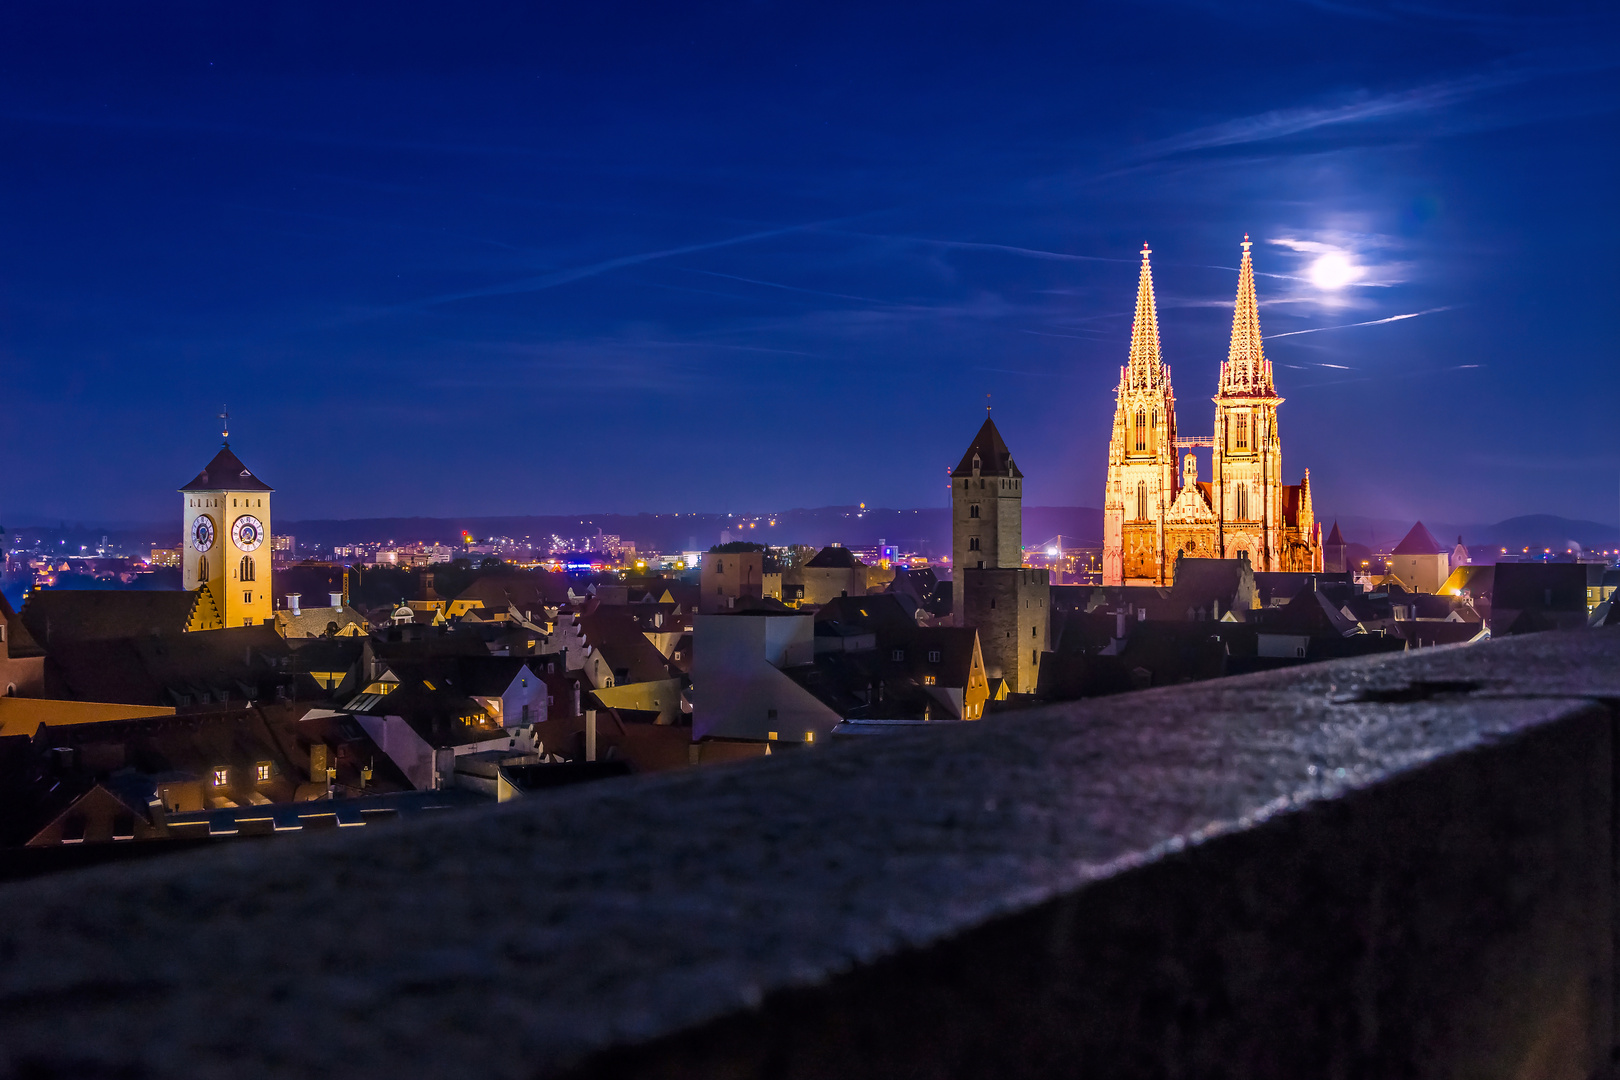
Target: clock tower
{"points": [[226, 546]]}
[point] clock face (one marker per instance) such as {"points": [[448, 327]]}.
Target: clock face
{"points": [[202, 533], [248, 532]]}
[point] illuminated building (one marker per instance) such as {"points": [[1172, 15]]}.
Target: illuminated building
{"points": [[1155, 512], [227, 529]]}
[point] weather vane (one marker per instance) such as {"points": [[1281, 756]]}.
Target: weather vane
{"points": [[225, 424]]}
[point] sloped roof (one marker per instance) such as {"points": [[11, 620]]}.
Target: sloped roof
{"points": [[54, 616], [994, 457], [226, 473], [622, 644], [1335, 537], [1420, 541], [835, 558]]}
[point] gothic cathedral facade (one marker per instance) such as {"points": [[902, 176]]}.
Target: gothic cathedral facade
{"points": [[226, 543], [1155, 509]]}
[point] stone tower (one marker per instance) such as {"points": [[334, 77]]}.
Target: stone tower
{"points": [[1142, 467], [987, 511], [992, 591], [1248, 453], [226, 543]]}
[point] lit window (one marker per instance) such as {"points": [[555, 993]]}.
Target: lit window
{"points": [[262, 772], [928, 680], [222, 777]]}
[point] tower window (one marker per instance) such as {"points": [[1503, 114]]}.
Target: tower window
{"points": [[1141, 500], [202, 568], [1141, 430], [245, 573], [973, 543], [1243, 502], [1243, 431], [973, 511]]}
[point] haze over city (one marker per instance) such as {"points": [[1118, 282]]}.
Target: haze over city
{"points": [[748, 257]]}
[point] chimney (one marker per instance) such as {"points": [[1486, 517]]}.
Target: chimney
{"points": [[292, 602], [590, 734], [1119, 623], [336, 598]]}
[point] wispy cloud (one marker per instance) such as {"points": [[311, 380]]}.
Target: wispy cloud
{"points": [[541, 282], [1369, 322], [1008, 249], [1362, 108]]}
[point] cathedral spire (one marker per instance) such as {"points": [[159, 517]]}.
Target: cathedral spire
{"points": [[1146, 363], [1246, 371]]}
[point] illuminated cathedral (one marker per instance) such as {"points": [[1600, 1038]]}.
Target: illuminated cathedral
{"points": [[1156, 510]]}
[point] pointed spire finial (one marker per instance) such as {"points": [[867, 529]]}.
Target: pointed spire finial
{"points": [[225, 424], [1246, 370], [987, 404], [1146, 366]]}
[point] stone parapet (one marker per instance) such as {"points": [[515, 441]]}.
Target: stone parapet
{"points": [[1380, 867]]}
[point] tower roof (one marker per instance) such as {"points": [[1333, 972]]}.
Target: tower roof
{"points": [[226, 473], [1420, 541], [1246, 371], [994, 457], [1334, 537], [1146, 365]]}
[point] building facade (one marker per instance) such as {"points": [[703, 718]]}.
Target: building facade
{"points": [[1155, 512], [987, 511], [226, 550], [1012, 611]]}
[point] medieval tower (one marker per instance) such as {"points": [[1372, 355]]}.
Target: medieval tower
{"points": [[1008, 603], [226, 540], [1258, 514], [1142, 467]]}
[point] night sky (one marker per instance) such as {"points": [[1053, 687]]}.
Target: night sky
{"points": [[742, 257]]}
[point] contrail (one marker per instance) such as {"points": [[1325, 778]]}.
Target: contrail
{"points": [[1369, 322], [564, 277]]}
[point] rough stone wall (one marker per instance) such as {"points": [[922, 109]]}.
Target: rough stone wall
{"points": [[1398, 866], [1011, 609]]}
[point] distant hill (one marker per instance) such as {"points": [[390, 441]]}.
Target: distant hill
{"points": [[1534, 531]]}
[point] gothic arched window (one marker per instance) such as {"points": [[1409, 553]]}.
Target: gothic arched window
{"points": [[1243, 500], [1243, 431], [1141, 500], [246, 572], [973, 511], [1141, 430]]}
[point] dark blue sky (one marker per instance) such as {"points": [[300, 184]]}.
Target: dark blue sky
{"points": [[559, 258]]}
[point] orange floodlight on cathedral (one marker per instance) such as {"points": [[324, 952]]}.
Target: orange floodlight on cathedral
{"points": [[1155, 509]]}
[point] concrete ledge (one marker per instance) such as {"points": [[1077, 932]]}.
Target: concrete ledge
{"points": [[1384, 867]]}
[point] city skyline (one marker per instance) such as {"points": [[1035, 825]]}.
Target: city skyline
{"points": [[802, 252]]}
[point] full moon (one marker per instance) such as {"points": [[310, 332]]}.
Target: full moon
{"points": [[1333, 271]]}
